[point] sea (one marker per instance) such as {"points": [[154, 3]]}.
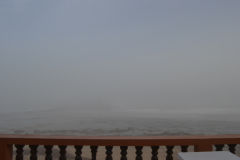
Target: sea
{"points": [[115, 123]]}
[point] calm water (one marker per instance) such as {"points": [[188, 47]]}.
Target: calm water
{"points": [[59, 122]]}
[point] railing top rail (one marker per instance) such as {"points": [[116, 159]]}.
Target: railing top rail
{"points": [[120, 140]]}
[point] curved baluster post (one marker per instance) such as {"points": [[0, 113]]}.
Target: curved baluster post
{"points": [[94, 152], [169, 153], [232, 148], [123, 152], [78, 152], [62, 152], [155, 152], [109, 152], [219, 147], [184, 148], [48, 152], [19, 152], [139, 152], [33, 153]]}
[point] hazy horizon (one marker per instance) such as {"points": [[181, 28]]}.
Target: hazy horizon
{"points": [[167, 57]]}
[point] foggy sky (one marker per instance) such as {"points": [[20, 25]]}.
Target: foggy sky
{"points": [[149, 55]]}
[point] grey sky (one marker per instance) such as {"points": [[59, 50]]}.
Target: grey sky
{"points": [[177, 55]]}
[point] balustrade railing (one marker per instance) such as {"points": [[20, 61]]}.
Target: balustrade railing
{"points": [[13, 146]]}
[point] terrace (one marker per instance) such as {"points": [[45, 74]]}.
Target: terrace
{"points": [[112, 147]]}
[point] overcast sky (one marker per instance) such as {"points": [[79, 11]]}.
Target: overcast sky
{"points": [[149, 55]]}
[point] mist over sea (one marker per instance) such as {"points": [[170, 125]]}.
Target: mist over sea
{"points": [[126, 67], [73, 121]]}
